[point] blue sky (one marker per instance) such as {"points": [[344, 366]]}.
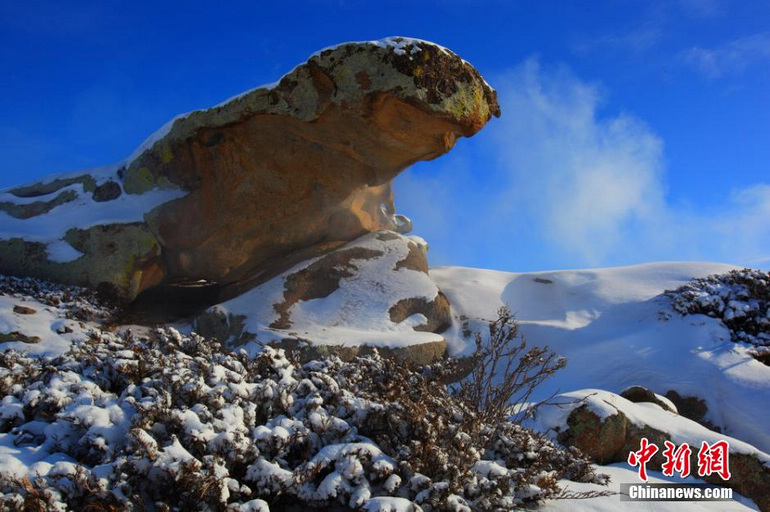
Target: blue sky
{"points": [[632, 131]]}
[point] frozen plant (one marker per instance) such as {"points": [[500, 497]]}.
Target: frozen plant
{"points": [[740, 299], [504, 372], [174, 422]]}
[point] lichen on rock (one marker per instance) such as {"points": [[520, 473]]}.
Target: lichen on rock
{"points": [[238, 193]]}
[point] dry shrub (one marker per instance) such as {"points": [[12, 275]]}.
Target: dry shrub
{"points": [[505, 373], [175, 422]]}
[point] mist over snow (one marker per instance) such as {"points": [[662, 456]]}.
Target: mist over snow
{"points": [[573, 185]]}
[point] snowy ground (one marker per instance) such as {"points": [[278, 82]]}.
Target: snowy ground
{"points": [[614, 326], [616, 330]]}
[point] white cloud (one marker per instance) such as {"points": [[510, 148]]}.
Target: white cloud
{"points": [[732, 57], [745, 227], [574, 187], [587, 177]]}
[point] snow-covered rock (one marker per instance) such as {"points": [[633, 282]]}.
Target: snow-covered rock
{"points": [[246, 189], [607, 427], [372, 292]]}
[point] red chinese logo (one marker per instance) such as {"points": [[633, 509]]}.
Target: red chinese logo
{"points": [[642, 457], [712, 458], [677, 459]]}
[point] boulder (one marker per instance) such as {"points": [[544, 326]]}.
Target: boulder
{"points": [[374, 292], [640, 394], [608, 439], [607, 427], [690, 407], [238, 193]]}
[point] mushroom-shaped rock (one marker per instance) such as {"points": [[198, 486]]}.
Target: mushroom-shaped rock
{"points": [[238, 193]]}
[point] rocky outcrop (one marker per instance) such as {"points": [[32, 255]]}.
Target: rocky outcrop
{"points": [[608, 439], [236, 194], [690, 407], [607, 427], [611, 439], [374, 292]]}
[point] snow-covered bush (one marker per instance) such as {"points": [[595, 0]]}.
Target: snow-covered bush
{"points": [[740, 298], [77, 303], [174, 422]]}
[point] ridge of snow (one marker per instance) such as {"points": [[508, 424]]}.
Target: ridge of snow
{"points": [[62, 252], [51, 226]]}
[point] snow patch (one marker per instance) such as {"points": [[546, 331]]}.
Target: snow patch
{"points": [[60, 251], [357, 313], [617, 329]]}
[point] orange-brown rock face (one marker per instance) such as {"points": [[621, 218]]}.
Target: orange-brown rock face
{"points": [[270, 178], [307, 165]]}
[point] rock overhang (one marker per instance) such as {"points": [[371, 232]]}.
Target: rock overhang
{"points": [[419, 72], [357, 114]]}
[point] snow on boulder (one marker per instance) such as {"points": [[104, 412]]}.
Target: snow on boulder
{"points": [[373, 292], [240, 192], [607, 427]]}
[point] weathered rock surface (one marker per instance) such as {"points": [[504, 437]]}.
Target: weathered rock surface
{"points": [[372, 292], [238, 193]]}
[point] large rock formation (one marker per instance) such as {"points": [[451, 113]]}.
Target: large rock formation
{"points": [[238, 193]]}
